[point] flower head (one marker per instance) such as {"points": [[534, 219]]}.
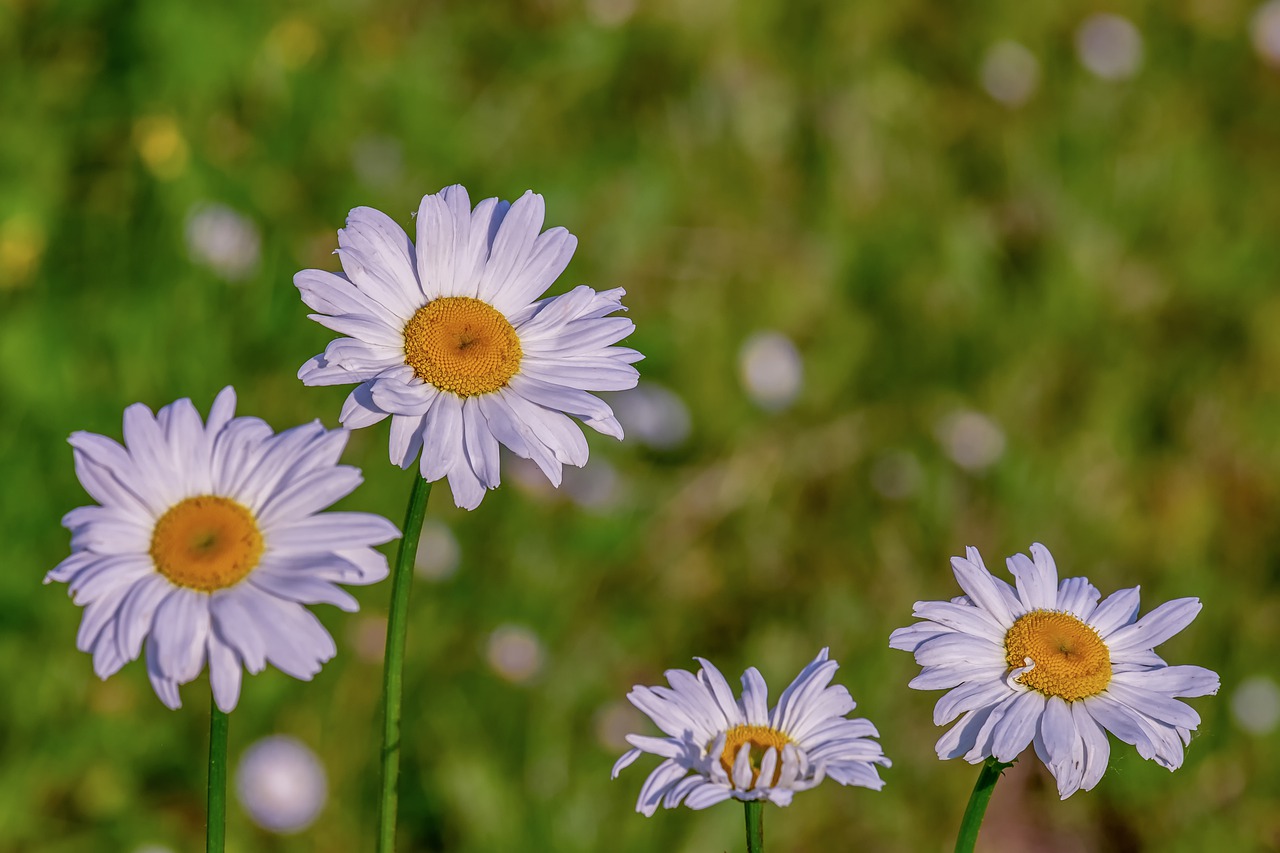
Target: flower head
{"points": [[208, 540], [742, 748], [446, 338], [1045, 663]]}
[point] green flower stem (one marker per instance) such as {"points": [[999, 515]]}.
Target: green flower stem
{"points": [[978, 801], [393, 663], [755, 825], [216, 831]]}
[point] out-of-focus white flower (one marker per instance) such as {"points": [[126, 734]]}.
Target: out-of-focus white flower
{"points": [[368, 637], [896, 474], [653, 415], [1109, 46], [153, 848], [281, 784], [599, 488], [1256, 705], [1265, 29], [224, 240], [1010, 73], [771, 370], [515, 653], [614, 721], [611, 13], [378, 160], [438, 552], [971, 439]]}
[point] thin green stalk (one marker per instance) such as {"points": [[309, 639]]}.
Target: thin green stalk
{"points": [[755, 825], [977, 807], [393, 663], [216, 831]]}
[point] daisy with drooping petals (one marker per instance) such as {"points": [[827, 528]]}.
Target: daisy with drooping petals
{"points": [[446, 338], [208, 540], [1044, 662], [742, 748]]}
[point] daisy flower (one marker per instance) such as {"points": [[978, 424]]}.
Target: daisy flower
{"points": [[719, 747], [1045, 663], [208, 540], [450, 339]]}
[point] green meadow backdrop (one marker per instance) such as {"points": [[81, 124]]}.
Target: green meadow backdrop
{"points": [[1028, 302]]}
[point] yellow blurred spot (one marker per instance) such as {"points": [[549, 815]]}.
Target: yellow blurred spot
{"points": [[293, 42], [161, 145], [21, 245]]}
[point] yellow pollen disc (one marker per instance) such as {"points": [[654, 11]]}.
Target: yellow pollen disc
{"points": [[1071, 661], [462, 345], [759, 738], [206, 543]]}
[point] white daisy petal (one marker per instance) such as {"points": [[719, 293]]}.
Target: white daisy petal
{"points": [[137, 612], [379, 258], [1078, 596], [442, 432], [480, 445], [225, 674], [209, 538], [554, 430], [1116, 610], [406, 439], [515, 433], [551, 253], [1175, 680], [1157, 626], [179, 632], [1059, 671], [359, 410], [166, 688], [628, 758], [512, 246], [330, 293], [403, 398], [706, 795], [302, 588], [657, 785], [486, 219], [453, 331], [364, 327], [467, 489], [1097, 749], [1017, 726], [740, 748], [330, 531], [961, 738], [755, 698], [1037, 581]]}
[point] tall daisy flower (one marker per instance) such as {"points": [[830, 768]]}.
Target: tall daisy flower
{"points": [[449, 338], [1045, 663], [207, 540], [718, 747]]}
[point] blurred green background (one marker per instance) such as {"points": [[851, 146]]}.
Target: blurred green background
{"points": [[1029, 266]]}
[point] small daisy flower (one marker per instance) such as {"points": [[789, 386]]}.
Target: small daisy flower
{"points": [[1045, 663], [208, 540], [742, 748], [450, 339]]}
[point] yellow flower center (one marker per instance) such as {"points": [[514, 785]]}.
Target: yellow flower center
{"points": [[1071, 661], [206, 543], [462, 345], [758, 739]]}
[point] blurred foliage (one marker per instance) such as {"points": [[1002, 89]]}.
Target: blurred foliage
{"points": [[1095, 272]]}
